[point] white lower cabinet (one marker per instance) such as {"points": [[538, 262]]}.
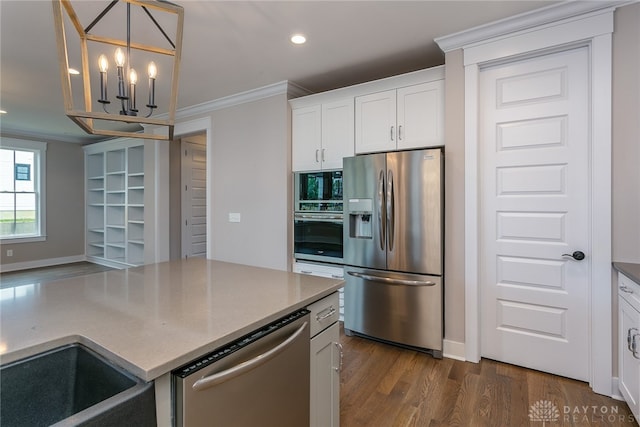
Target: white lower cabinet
{"points": [[326, 363], [629, 342], [330, 271], [325, 378]]}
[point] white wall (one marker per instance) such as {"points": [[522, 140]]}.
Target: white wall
{"points": [[454, 198], [250, 165], [64, 210], [626, 135]]}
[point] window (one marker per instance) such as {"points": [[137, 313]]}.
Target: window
{"points": [[22, 196]]}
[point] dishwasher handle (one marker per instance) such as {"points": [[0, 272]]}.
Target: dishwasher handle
{"points": [[227, 374]]}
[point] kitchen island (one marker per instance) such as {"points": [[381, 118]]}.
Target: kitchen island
{"points": [[154, 318]]}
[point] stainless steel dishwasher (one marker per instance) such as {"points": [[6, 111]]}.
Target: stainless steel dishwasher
{"points": [[262, 379]]}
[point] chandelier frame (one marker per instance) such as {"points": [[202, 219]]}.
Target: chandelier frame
{"points": [[85, 118]]}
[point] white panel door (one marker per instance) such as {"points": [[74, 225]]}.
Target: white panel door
{"points": [[534, 207], [194, 200]]}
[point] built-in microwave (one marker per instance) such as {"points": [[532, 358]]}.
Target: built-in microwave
{"points": [[318, 216]]}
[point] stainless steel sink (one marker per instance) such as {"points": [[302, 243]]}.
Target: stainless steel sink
{"points": [[73, 386]]}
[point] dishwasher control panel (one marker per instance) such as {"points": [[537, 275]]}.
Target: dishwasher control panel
{"points": [[234, 346]]}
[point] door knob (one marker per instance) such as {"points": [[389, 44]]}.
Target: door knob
{"points": [[577, 255]]}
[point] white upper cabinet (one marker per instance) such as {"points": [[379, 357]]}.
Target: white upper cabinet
{"points": [[375, 122], [307, 138], [337, 133], [322, 135], [404, 118]]}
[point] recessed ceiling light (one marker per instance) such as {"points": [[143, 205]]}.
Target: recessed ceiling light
{"points": [[73, 71], [298, 39], [3, 112]]}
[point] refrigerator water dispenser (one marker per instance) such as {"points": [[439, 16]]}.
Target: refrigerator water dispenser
{"points": [[360, 224]]}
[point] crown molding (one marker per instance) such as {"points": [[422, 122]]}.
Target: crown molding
{"points": [[524, 21], [285, 87], [41, 136]]}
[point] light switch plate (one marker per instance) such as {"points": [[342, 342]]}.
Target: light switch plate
{"points": [[234, 217]]}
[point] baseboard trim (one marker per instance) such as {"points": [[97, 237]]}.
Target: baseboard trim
{"points": [[615, 389], [16, 266], [453, 350]]}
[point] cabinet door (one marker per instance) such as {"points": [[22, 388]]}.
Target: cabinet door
{"points": [[337, 133], [421, 115], [306, 138], [376, 122], [628, 365], [325, 378]]}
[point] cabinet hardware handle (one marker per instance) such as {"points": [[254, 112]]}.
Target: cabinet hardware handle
{"points": [[629, 337], [329, 312], [306, 271], [623, 288], [341, 352], [317, 161], [634, 346], [399, 132], [337, 276], [392, 133], [322, 155]]}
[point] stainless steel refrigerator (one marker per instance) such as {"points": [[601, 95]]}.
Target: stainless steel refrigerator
{"points": [[393, 248]]}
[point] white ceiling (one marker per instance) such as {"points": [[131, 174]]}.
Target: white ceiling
{"points": [[234, 46]]}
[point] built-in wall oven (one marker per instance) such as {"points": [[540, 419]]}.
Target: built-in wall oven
{"points": [[318, 216]]}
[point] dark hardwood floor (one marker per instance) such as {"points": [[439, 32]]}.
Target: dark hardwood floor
{"points": [[48, 274], [386, 386]]}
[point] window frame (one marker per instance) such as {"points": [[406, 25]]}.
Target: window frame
{"points": [[40, 173]]}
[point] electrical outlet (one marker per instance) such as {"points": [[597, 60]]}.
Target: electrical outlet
{"points": [[9, 252], [234, 217]]}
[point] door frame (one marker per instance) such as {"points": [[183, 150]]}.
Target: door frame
{"points": [[593, 30], [198, 126], [184, 204]]}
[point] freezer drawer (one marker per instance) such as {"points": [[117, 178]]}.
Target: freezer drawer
{"points": [[404, 309]]}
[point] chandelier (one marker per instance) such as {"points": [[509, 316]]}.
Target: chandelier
{"points": [[85, 35]]}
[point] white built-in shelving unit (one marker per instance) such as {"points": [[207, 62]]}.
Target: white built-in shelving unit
{"points": [[115, 203]]}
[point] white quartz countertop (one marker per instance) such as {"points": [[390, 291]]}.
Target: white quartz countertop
{"points": [[155, 318]]}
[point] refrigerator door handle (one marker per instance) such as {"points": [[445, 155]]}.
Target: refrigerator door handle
{"points": [[390, 211], [390, 280], [381, 210]]}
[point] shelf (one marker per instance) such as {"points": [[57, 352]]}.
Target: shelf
{"points": [[115, 245], [115, 187], [115, 161], [135, 159]]}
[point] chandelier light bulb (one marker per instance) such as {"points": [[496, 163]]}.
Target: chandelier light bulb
{"points": [[103, 64], [133, 77], [119, 57], [153, 70]]}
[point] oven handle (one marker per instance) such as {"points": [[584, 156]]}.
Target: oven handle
{"points": [[227, 374], [391, 281], [319, 218]]}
